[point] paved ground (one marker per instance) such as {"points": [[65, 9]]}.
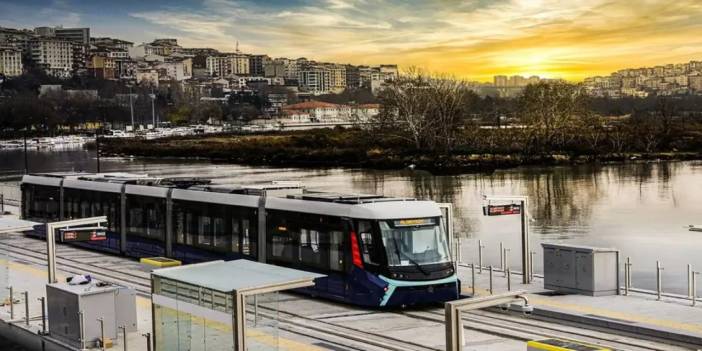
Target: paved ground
{"points": [[637, 309]]}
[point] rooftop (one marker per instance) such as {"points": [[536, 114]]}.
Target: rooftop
{"points": [[238, 275]]}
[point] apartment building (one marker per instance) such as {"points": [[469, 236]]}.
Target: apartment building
{"points": [[10, 61], [55, 56]]}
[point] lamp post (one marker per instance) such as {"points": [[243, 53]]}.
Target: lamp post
{"points": [[131, 106]]}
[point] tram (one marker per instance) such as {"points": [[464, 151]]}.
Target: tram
{"points": [[374, 250]]}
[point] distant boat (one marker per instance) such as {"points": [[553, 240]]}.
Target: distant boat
{"points": [[695, 227]]}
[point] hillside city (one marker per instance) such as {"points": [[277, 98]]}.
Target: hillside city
{"points": [[289, 86]]}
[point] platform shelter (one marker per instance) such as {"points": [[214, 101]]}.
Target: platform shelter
{"points": [[220, 305]]}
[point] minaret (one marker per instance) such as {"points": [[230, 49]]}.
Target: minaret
{"points": [[237, 46]]}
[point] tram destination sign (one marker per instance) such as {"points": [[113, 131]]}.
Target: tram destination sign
{"points": [[83, 234], [502, 210]]}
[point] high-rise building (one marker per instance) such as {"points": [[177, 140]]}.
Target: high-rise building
{"points": [[500, 81], [353, 76], [257, 64], [315, 79], [55, 56], [100, 66], [76, 35], [10, 61], [337, 78]]}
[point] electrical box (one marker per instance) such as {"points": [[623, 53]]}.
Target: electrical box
{"points": [[73, 311], [581, 269]]}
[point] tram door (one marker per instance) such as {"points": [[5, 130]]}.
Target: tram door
{"points": [[447, 223]]}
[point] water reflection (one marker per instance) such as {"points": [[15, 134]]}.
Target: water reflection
{"points": [[639, 208]]}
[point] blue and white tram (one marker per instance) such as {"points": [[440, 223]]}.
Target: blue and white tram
{"points": [[375, 251]]}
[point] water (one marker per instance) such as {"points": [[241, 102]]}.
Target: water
{"points": [[639, 208]]}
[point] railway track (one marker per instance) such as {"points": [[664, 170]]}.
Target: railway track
{"points": [[328, 330]]}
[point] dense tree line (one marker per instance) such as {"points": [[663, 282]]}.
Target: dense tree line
{"points": [[439, 114]]}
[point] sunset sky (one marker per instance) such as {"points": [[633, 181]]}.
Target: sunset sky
{"points": [[471, 39]]}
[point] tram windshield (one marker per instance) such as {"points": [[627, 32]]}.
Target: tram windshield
{"points": [[414, 242]]}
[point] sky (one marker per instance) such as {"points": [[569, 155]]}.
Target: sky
{"points": [[473, 39]]}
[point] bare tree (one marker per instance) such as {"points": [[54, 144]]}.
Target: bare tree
{"points": [[426, 110], [550, 110]]}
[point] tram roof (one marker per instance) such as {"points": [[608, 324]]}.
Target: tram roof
{"points": [[285, 196]]}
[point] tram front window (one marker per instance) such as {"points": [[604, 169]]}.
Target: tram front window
{"points": [[414, 242]]}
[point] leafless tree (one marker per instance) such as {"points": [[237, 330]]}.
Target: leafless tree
{"points": [[426, 110]]}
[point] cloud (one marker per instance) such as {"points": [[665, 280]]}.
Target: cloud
{"points": [[20, 15], [475, 39]]}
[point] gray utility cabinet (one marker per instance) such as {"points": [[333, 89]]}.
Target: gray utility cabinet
{"points": [[581, 269], [116, 305]]}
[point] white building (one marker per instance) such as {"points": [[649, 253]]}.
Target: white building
{"points": [[226, 65], [54, 55], [10, 61], [324, 112]]}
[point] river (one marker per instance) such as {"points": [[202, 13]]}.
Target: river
{"points": [[638, 208]]}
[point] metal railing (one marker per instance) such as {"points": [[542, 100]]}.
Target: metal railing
{"points": [[659, 291]]}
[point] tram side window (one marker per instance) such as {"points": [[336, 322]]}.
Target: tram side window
{"points": [[204, 231], [42, 202], [180, 227], [283, 244], [236, 234], [136, 220], [336, 250], [369, 247], [154, 223], [222, 240], [190, 228]]}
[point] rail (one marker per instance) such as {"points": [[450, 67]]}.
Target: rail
{"points": [[10, 195]]}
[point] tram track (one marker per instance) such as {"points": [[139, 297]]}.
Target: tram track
{"points": [[506, 324], [343, 337]]}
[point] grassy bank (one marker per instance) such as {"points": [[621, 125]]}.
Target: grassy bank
{"points": [[351, 148]]}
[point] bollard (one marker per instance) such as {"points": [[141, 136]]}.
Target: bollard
{"points": [[124, 337], [12, 303], [81, 325], [480, 256], [502, 257], [659, 280], [531, 264], [629, 282], [509, 279], [490, 279], [102, 333], [689, 281], [472, 277], [148, 341], [43, 315], [26, 307], [694, 288], [460, 246], [506, 266]]}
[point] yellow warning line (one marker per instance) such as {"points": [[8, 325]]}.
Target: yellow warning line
{"points": [[584, 309], [537, 300]]}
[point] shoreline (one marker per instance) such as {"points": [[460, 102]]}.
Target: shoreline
{"points": [[236, 152]]}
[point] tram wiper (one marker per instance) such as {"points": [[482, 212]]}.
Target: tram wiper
{"points": [[399, 257]]}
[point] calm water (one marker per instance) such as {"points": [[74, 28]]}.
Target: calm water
{"points": [[640, 208]]}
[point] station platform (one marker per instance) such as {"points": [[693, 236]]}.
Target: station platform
{"points": [[308, 323], [639, 313]]}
